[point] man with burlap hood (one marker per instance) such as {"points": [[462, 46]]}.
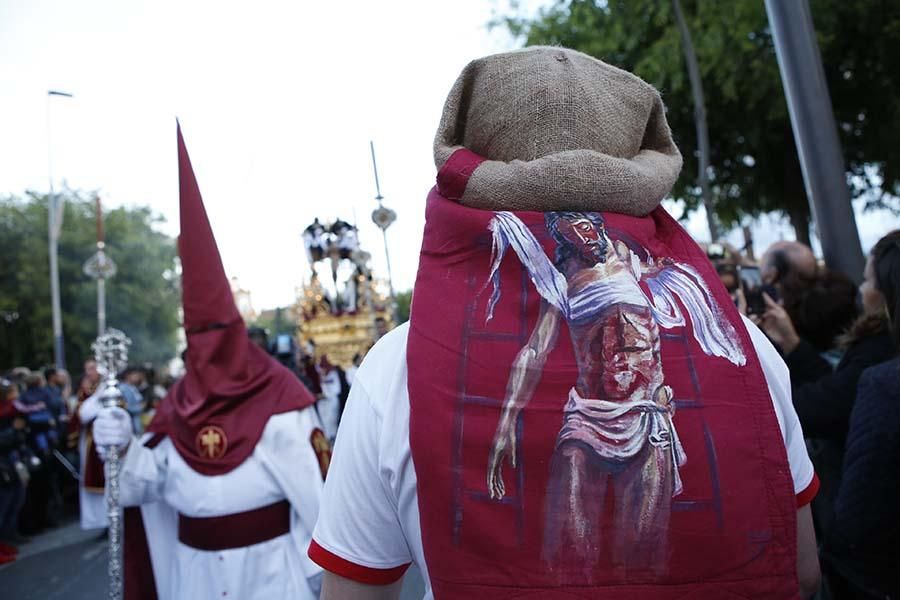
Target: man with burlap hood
{"points": [[575, 404]]}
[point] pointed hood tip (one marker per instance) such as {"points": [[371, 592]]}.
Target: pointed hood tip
{"points": [[206, 291]]}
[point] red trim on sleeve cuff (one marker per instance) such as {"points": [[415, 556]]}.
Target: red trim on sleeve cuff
{"points": [[358, 573], [807, 495]]}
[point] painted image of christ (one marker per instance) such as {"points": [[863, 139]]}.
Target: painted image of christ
{"points": [[618, 427]]}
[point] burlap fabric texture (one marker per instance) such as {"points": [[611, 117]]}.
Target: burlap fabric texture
{"points": [[560, 130]]}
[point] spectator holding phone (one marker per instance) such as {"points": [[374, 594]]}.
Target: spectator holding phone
{"points": [[788, 266], [824, 398], [861, 554]]}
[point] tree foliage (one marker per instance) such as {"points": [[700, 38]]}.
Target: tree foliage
{"points": [[142, 298], [404, 300], [754, 164]]}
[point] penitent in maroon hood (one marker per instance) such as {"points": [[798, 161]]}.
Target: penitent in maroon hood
{"points": [[216, 414]]}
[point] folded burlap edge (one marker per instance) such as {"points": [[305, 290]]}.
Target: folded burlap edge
{"points": [[573, 179]]}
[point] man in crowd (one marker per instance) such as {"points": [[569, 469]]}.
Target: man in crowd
{"points": [[329, 405], [93, 481], [44, 502], [590, 413], [229, 475]]}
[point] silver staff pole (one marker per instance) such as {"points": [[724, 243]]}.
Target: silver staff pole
{"points": [[111, 354]]}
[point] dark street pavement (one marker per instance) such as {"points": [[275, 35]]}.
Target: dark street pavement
{"points": [[63, 563], [68, 563]]}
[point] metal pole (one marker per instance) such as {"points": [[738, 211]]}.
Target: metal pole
{"points": [[378, 195], [59, 357], [54, 225], [111, 354], [114, 569], [815, 133], [101, 306], [390, 274], [690, 57], [390, 216]]}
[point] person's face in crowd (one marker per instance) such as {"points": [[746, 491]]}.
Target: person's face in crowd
{"points": [[90, 370], [63, 382], [135, 378], [872, 299], [785, 260], [381, 326], [729, 280], [768, 272]]}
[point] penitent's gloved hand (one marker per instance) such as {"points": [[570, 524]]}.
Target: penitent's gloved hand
{"points": [[112, 427]]}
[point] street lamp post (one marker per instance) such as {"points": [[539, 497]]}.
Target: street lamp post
{"points": [[54, 225], [815, 133]]}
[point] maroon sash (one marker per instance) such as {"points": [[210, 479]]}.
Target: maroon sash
{"points": [[94, 476], [139, 582], [589, 417]]}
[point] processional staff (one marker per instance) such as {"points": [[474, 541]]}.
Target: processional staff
{"points": [[111, 354], [100, 267]]}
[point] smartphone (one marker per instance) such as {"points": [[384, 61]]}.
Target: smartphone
{"points": [[752, 285]]}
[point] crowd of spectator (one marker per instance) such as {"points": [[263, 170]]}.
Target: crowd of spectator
{"points": [[841, 345], [39, 433]]}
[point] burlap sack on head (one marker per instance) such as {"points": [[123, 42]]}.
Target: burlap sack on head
{"points": [[560, 131]]}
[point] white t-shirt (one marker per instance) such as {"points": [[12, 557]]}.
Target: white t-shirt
{"points": [[368, 528]]}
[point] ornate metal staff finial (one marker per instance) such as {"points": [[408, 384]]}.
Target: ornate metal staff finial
{"points": [[100, 267], [111, 353]]}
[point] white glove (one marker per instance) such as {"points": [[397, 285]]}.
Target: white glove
{"points": [[112, 427], [92, 405]]}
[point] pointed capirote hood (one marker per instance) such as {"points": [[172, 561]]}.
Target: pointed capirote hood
{"points": [[216, 413], [206, 292]]}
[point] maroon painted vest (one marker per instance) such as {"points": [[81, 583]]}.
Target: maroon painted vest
{"points": [[588, 414]]}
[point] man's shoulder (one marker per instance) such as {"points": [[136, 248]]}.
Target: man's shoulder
{"points": [[886, 373], [382, 374], [879, 388], [388, 353]]}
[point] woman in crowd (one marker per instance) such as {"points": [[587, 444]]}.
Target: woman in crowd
{"points": [[42, 504], [861, 554], [13, 474], [824, 397]]}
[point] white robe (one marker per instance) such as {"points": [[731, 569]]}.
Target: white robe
{"points": [[92, 504], [282, 466], [329, 406]]}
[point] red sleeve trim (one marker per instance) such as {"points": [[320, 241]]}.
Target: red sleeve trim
{"points": [[358, 573], [453, 177], [807, 495]]}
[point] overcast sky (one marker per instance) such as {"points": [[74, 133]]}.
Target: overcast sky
{"points": [[277, 101]]}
